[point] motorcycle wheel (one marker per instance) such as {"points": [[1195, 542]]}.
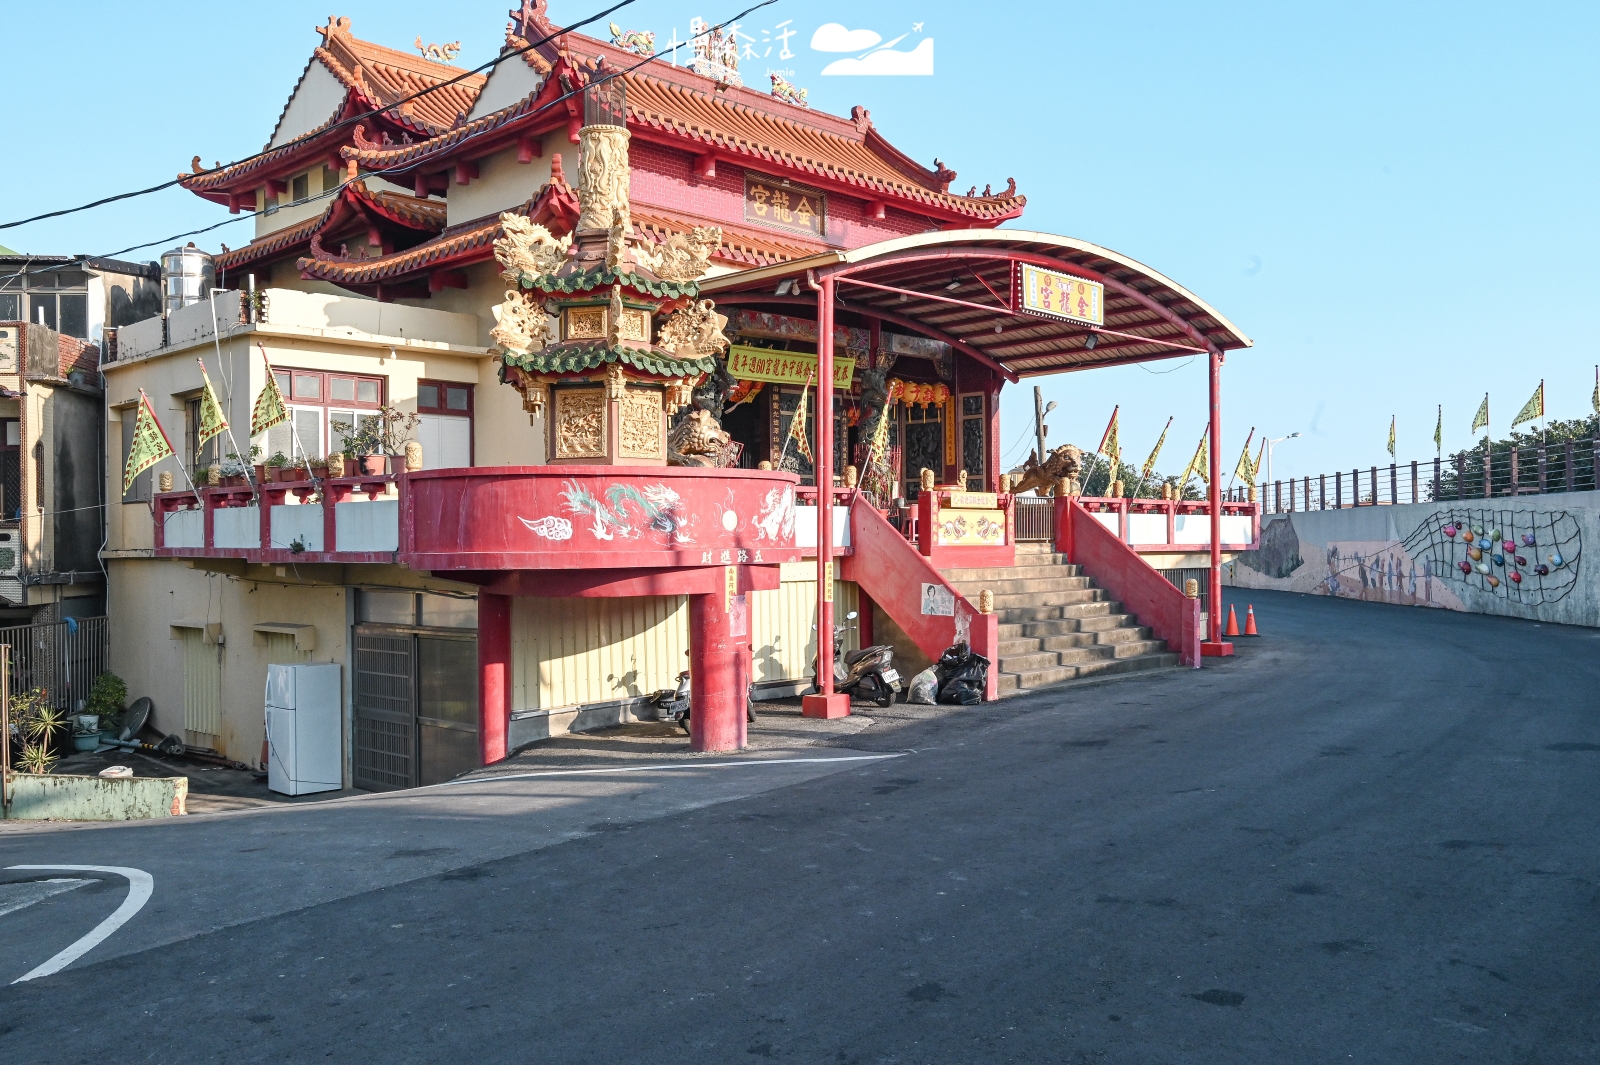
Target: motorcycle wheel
{"points": [[888, 698]]}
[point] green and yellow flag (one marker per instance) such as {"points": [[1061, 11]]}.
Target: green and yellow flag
{"points": [[1150, 463], [1531, 410], [269, 409], [1200, 464], [1391, 435], [1594, 400], [1110, 443], [1242, 470], [211, 420], [150, 444], [1255, 467], [1480, 420], [1438, 426], [797, 427]]}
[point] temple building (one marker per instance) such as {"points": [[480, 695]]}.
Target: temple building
{"points": [[595, 360]]}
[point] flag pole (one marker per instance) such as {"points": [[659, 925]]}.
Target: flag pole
{"points": [[783, 453]]}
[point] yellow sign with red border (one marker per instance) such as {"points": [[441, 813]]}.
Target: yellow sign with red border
{"points": [[1055, 295], [784, 367]]}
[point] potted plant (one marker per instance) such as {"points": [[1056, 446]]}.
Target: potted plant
{"points": [[36, 722], [316, 465], [107, 698], [395, 429], [236, 468], [280, 467]]}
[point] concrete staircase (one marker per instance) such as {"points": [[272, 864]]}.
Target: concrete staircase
{"points": [[1055, 625]]}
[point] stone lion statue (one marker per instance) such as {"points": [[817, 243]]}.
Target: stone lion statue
{"points": [[1064, 461], [697, 440]]}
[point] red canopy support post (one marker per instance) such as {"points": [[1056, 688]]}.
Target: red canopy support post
{"points": [[716, 669], [494, 675], [825, 703], [1214, 647]]}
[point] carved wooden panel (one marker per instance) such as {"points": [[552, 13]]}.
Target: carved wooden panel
{"points": [[580, 423], [586, 323], [641, 425], [634, 325]]}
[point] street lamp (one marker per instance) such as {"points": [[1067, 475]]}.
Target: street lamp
{"points": [[1272, 444]]}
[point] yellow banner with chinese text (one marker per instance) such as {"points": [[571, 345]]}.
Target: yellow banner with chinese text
{"points": [[784, 367]]}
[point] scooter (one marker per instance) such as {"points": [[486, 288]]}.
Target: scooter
{"points": [[867, 673], [674, 705]]}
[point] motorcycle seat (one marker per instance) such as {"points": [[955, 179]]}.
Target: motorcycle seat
{"points": [[852, 657]]}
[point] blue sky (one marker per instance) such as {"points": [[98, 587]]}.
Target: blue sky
{"points": [[1396, 201]]}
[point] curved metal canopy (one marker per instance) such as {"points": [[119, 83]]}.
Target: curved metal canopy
{"points": [[956, 286]]}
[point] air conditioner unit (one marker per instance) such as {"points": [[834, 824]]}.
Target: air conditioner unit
{"points": [[11, 566]]}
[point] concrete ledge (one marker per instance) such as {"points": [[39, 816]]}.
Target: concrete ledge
{"points": [[74, 798]]}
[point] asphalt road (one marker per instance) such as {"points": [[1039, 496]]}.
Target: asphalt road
{"points": [[1371, 837]]}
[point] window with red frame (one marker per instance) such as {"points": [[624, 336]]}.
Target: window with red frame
{"points": [[324, 408], [445, 409]]}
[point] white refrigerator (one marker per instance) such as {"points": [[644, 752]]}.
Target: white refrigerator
{"points": [[303, 728]]}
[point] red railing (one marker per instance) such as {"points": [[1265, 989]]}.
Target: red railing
{"points": [[255, 540], [1118, 568]]}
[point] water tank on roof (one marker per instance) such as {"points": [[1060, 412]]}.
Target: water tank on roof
{"points": [[187, 276]]}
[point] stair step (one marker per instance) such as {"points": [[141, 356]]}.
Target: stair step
{"points": [[1003, 573], [1022, 647], [1061, 597], [1106, 622], [1032, 663], [1069, 641], [1123, 634], [970, 589], [1050, 675], [1136, 648]]}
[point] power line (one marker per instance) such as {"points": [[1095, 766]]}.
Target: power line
{"points": [[380, 173], [327, 129]]}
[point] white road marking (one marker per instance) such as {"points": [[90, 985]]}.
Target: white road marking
{"points": [[647, 768], [140, 887], [14, 897]]}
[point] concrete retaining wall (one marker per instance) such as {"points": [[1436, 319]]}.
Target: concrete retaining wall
{"points": [[1405, 555], [73, 798]]}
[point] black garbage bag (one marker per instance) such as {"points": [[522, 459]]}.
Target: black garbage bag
{"points": [[963, 676]]}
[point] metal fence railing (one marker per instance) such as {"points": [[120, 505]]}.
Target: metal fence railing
{"points": [[63, 658], [1036, 519], [1568, 466]]}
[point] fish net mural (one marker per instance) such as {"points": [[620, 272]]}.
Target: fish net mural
{"points": [[1525, 556]]}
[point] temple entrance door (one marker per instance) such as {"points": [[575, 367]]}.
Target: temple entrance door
{"points": [[924, 446]]}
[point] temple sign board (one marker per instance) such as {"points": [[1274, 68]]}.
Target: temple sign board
{"points": [[778, 202], [1051, 294]]}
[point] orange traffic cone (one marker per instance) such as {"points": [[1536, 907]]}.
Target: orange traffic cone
{"points": [[1233, 622], [1250, 621]]}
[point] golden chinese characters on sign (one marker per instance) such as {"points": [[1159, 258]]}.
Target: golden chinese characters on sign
{"points": [[792, 207], [1055, 295], [784, 367]]}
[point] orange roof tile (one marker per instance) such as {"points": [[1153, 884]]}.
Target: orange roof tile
{"points": [[385, 75], [675, 104], [377, 77], [405, 210]]}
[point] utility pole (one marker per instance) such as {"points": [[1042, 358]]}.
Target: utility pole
{"points": [[1039, 428]]}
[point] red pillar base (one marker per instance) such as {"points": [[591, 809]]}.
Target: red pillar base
{"points": [[717, 677], [835, 705], [1221, 649]]}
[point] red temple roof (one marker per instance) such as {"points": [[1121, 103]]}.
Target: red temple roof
{"points": [[355, 203], [677, 107], [376, 79]]}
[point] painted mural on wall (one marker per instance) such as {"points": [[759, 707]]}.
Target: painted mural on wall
{"points": [[623, 511], [1500, 560]]}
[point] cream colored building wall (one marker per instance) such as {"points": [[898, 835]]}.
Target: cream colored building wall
{"points": [[148, 598], [346, 339], [507, 83], [318, 96], [503, 183], [571, 652]]}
